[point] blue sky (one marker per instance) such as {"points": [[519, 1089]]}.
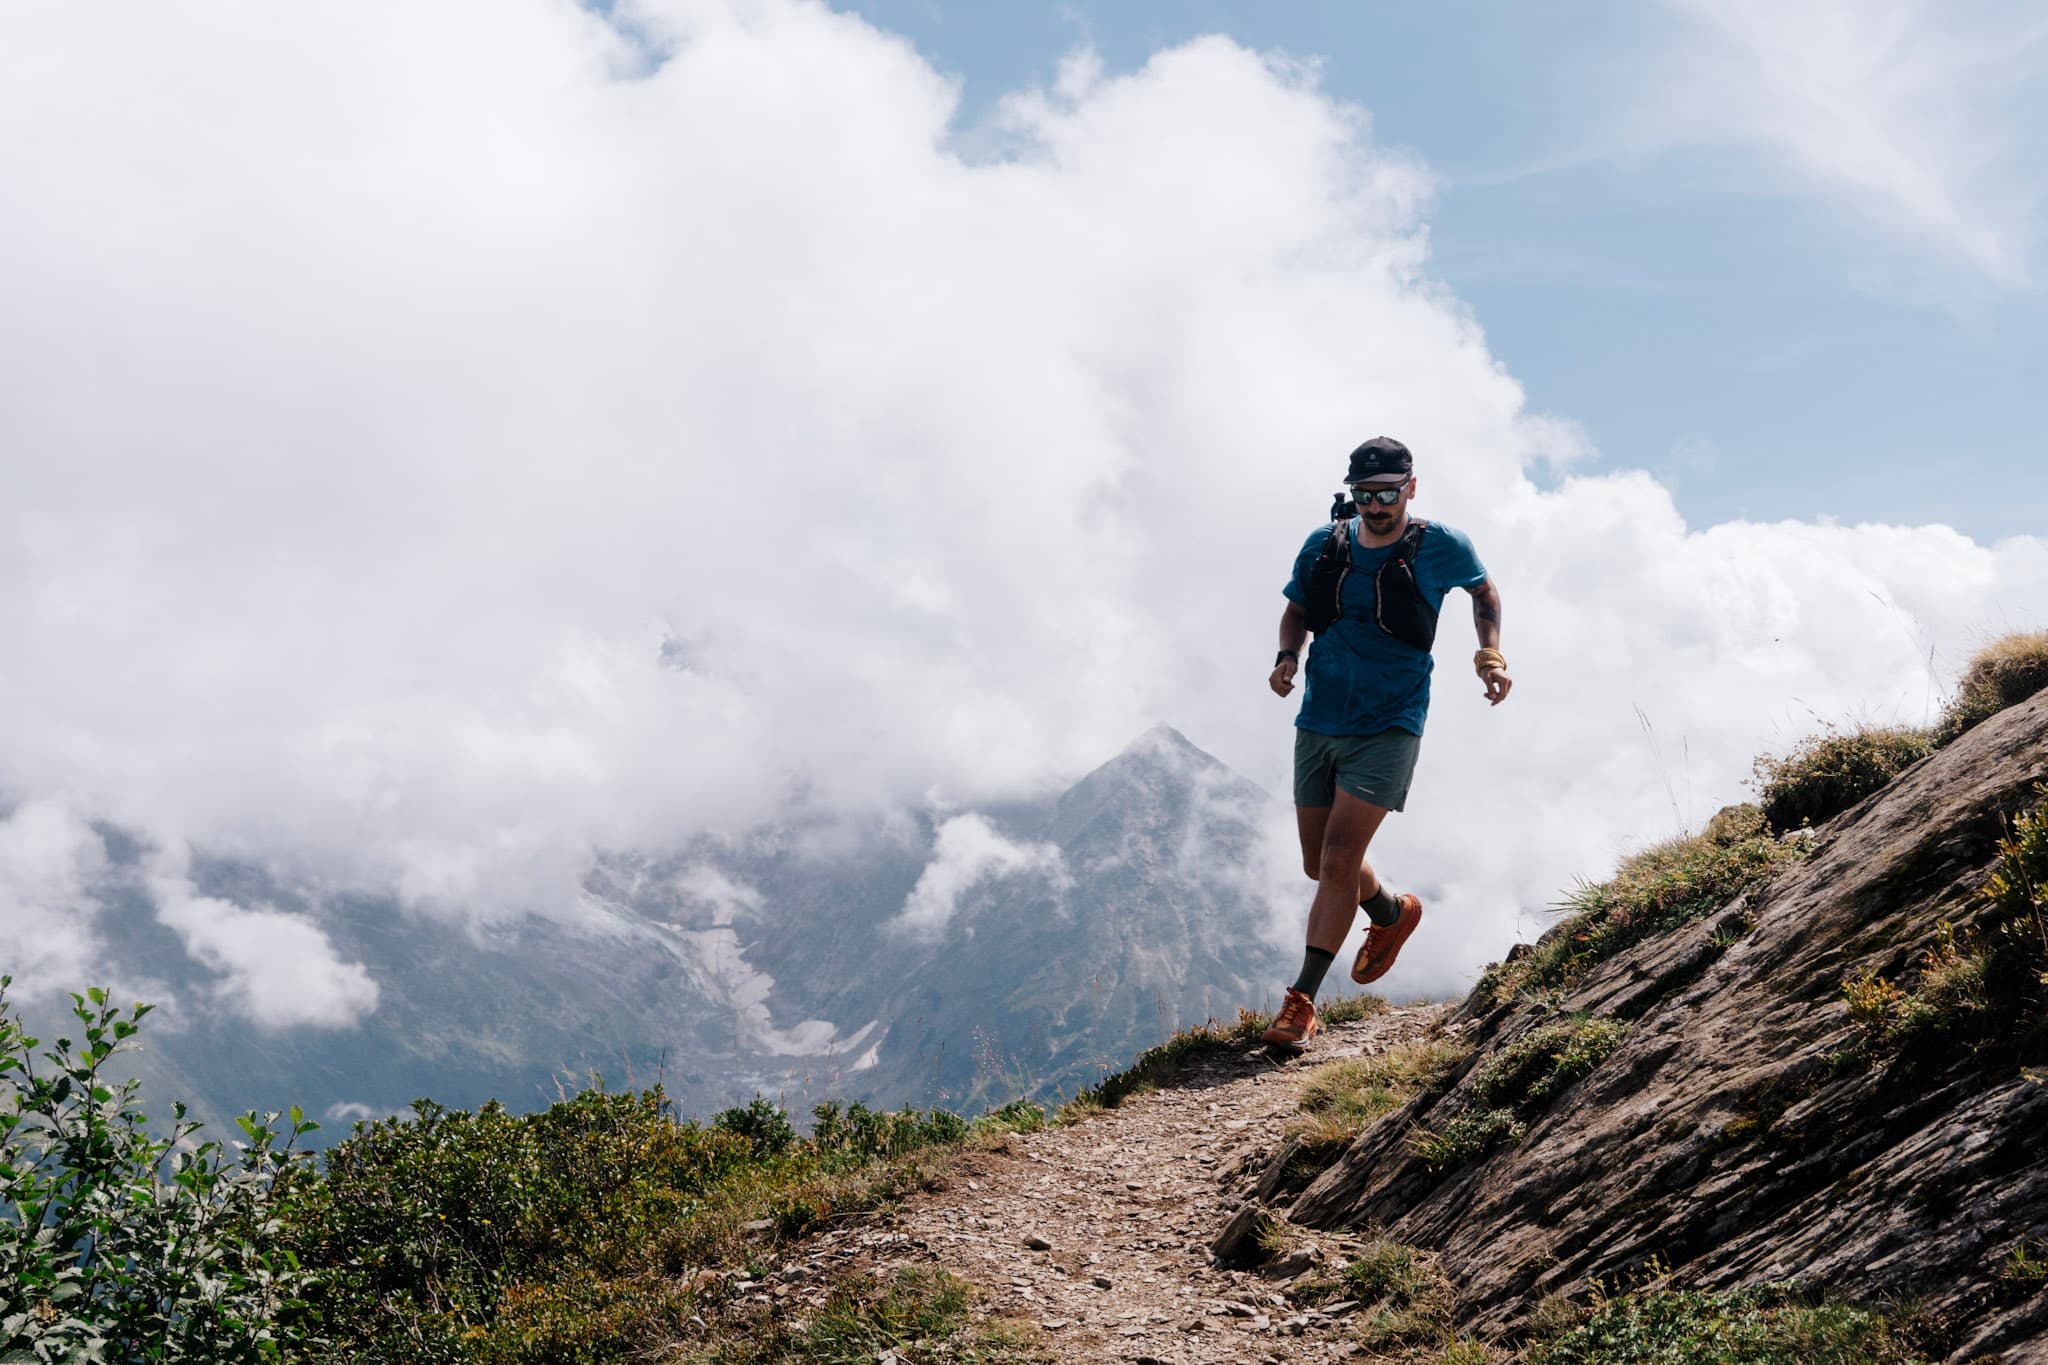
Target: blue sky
{"points": [[1717, 302]]}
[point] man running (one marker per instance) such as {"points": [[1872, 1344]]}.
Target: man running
{"points": [[1374, 611]]}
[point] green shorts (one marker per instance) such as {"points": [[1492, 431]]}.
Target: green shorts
{"points": [[1374, 768]]}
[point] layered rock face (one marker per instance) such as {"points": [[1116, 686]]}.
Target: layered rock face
{"points": [[1746, 1130]]}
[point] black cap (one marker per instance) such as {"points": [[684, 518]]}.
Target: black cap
{"points": [[1380, 458]]}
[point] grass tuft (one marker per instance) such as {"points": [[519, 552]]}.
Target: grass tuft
{"points": [[1407, 1297], [1158, 1065], [2024, 1272], [1367, 1087], [1826, 774], [2004, 673], [1654, 892]]}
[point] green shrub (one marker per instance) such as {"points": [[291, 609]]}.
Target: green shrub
{"points": [[1467, 1137], [2004, 673], [766, 1128], [1828, 773], [119, 1245], [1543, 1063], [424, 1224], [1770, 1326], [582, 1318], [855, 1134]]}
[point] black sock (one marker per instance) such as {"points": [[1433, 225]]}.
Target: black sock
{"points": [[1381, 907], [1314, 963]]}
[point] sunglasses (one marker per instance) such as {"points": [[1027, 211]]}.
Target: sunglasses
{"points": [[1386, 495]]}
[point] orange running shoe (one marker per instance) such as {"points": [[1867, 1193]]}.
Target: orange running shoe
{"points": [[1295, 1024], [1383, 942]]}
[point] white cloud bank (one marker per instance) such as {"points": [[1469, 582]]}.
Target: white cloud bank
{"points": [[441, 440]]}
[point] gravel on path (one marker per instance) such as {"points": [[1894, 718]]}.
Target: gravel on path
{"points": [[1100, 1231]]}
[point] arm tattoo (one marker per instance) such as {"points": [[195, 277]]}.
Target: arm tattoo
{"points": [[1486, 603]]}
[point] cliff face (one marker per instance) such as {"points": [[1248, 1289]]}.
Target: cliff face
{"points": [[1746, 1129]]}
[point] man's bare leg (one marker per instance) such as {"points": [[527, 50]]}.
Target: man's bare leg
{"points": [[1340, 869], [1333, 843]]}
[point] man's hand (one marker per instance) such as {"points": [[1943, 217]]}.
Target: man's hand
{"points": [[1282, 681], [1497, 684]]}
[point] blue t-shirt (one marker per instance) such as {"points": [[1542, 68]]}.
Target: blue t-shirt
{"points": [[1359, 680]]}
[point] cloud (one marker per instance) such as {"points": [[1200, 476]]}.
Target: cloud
{"points": [[447, 441], [968, 852], [50, 862], [1903, 109], [277, 969]]}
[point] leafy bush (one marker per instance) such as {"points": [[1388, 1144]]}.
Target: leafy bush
{"points": [[425, 1224], [766, 1128], [854, 1135], [2004, 673], [1467, 1137], [1770, 1326], [1018, 1116], [119, 1245], [1826, 774], [582, 1318], [580, 1233]]}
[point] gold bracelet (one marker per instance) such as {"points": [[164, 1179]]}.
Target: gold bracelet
{"points": [[1489, 658]]}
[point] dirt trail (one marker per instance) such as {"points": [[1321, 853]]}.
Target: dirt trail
{"points": [[1126, 1206]]}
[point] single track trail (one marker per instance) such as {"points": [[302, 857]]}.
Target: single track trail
{"points": [[1100, 1231]]}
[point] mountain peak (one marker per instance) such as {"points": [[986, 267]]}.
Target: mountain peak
{"points": [[1164, 738]]}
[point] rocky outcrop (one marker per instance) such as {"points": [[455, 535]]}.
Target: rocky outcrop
{"points": [[1742, 1133]]}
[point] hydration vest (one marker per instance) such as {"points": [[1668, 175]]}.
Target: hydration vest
{"points": [[1400, 608]]}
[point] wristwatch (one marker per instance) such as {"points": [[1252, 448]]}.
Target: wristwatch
{"points": [[1285, 654]]}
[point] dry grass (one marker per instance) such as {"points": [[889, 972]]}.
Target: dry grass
{"points": [[1341, 1099], [1159, 1065], [2004, 673], [1663, 888], [1827, 773]]}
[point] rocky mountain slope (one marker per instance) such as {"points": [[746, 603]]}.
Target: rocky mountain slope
{"points": [[1747, 1128], [779, 963]]}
